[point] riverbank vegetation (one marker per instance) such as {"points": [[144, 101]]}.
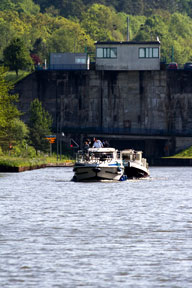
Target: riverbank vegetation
{"points": [[12, 161], [23, 144], [13, 78], [187, 153], [41, 27], [15, 134]]}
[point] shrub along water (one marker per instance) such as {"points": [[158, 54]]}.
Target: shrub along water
{"points": [[187, 153], [11, 161]]}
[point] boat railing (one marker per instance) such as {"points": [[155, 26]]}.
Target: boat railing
{"points": [[85, 157]]}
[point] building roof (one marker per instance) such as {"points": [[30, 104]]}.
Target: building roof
{"points": [[127, 43]]}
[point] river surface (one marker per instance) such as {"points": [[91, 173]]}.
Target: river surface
{"points": [[58, 233]]}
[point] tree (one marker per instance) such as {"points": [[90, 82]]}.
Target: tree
{"points": [[6, 33], [16, 55], [40, 123], [69, 38], [6, 4], [101, 22], [27, 6], [9, 114]]}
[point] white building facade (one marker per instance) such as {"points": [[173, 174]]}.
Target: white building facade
{"points": [[128, 55]]}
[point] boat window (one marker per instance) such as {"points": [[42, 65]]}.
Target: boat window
{"points": [[126, 157], [98, 155]]}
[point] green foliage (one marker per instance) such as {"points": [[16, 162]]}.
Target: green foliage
{"points": [[6, 33], [187, 153], [23, 150], [12, 129], [91, 20], [102, 23], [16, 55], [14, 161], [8, 111], [40, 123], [6, 5], [19, 130], [13, 78], [26, 6], [73, 8], [69, 37], [135, 23]]}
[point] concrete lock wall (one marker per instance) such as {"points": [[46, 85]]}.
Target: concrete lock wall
{"points": [[153, 108]]}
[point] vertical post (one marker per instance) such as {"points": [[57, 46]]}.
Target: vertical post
{"points": [[127, 28], [85, 51], [60, 134], [172, 54], [57, 140], [101, 101], [57, 146], [50, 149], [60, 147]]}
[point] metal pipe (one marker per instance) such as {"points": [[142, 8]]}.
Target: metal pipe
{"points": [[127, 28]]}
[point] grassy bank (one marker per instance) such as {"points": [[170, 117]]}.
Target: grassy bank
{"points": [[10, 161], [185, 154], [13, 78]]}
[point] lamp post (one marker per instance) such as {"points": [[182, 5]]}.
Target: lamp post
{"points": [[61, 139]]}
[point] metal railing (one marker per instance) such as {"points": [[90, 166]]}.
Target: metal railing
{"points": [[128, 131]]}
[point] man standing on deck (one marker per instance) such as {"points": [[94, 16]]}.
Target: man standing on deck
{"points": [[97, 143]]}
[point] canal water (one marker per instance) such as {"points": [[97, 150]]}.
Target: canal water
{"points": [[58, 233]]}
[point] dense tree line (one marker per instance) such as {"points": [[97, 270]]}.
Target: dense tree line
{"points": [[44, 28], [16, 137], [73, 8]]}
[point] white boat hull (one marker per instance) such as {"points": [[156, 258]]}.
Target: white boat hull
{"points": [[135, 170], [98, 172]]}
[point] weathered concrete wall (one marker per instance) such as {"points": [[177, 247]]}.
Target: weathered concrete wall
{"points": [[119, 102]]}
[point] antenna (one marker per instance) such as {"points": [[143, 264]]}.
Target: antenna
{"points": [[127, 28]]}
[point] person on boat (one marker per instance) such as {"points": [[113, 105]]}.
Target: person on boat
{"points": [[89, 142], [97, 143], [105, 143], [86, 146]]}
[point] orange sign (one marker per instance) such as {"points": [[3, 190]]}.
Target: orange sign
{"points": [[51, 139]]}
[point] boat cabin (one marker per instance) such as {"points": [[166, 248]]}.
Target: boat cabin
{"points": [[97, 154], [131, 155]]}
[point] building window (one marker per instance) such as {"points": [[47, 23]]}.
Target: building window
{"points": [[141, 52], [99, 52], [113, 52], [106, 52], [149, 52], [80, 60], [155, 52]]}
